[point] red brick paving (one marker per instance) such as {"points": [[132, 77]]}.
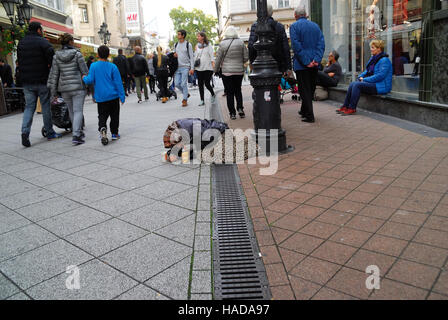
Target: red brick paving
{"points": [[355, 192]]}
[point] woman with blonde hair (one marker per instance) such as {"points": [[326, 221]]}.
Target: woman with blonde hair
{"points": [[65, 77], [376, 79], [160, 63], [231, 59]]}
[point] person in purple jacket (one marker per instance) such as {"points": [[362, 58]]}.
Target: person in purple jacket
{"points": [[106, 79]]}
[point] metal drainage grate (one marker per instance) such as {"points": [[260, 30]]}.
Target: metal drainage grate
{"points": [[239, 272]]}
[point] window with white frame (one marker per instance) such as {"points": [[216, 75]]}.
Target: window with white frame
{"points": [[253, 5], [84, 13], [55, 4], [283, 4]]}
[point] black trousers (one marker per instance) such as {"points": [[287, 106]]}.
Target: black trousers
{"points": [[324, 80], [204, 78], [232, 85], [162, 78], [307, 86], [152, 83], [109, 109]]}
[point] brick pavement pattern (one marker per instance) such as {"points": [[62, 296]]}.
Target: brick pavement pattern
{"points": [[136, 227], [355, 192]]}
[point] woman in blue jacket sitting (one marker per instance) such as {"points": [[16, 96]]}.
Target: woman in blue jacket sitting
{"points": [[376, 79]]}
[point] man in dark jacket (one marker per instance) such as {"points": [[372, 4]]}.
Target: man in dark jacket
{"points": [[140, 71], [123, 66], [280, 50], [308, 44], [35, 55], [6, 74]]}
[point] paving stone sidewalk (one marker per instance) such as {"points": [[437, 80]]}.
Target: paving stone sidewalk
{"points": [[136, 228], [355, 192]]}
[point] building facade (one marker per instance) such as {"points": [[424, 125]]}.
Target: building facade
{"points": [[242, 14]]}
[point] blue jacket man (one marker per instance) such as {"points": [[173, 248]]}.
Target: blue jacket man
{"points": [[308, 44]]}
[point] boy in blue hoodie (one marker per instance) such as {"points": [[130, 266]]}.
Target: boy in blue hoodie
{"points": [[108, 91]]}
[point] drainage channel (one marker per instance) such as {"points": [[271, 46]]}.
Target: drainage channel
{"points": [[239, 272]]}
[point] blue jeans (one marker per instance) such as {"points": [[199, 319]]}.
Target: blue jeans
{"points": [[32, 92], [354, 93], [181, 81]]}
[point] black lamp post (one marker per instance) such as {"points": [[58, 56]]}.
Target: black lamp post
{"points": [[265, 79], [104, 33], [23, 8]]}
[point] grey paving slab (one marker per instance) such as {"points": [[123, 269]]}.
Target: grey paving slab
{"points": [[48, 179], [203, 229], [19, 297], [204, 216], [22, 166], [93, 194], [97, 281], [139, 165], [132, 181], [117, 160], [156, 216], [202, 243], [204, 205], [43, 263], [185, 199], [162, 189], [92, 155], [204, 195], [24, 199], [7, 288], [105, 237], [8, 160], [87, 169], [35, 172], [48, 208], [201, 297], [146, 257], [174, 281], [68, 164], [9, 220], [142, 292], [122, 203], [15, 187], [181, 231], [166, 170], [107, 174], [71, 185], [73, 221], [21, 240], [202, 260], [201, 282], [190, 177]]}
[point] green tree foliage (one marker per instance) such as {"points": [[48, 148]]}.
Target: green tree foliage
{"points": [[193, 22]]}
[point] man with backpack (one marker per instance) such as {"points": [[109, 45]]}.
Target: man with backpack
{"points": [[280, 49], [123, 66], [183, 51]]}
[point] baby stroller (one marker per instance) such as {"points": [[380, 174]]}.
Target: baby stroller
{"points": [[288, 86], [59, 116], [171, 92]]}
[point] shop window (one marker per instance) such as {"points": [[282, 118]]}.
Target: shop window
{"points": [[253, 5], [350, 25], [283, 4]]}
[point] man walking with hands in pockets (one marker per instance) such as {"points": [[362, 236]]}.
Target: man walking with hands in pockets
{"points": [[184, 53]]}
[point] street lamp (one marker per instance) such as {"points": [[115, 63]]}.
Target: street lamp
{"points": [[24, 11], [265, 79], [104, 33]]}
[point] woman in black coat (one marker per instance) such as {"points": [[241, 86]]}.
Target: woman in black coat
{"points": [[160, 63]]}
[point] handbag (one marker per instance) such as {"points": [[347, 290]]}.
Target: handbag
{"points": [[219, 73], [197, 62]]}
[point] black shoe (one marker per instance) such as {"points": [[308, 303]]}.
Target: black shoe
{"points": [[139, 101], [233, 116], [241, 113], [76, 141], [308, 120], [25, 141], [300, 113]]}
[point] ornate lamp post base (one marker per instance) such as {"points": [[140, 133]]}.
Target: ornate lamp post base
{"points": [[265, 79]]}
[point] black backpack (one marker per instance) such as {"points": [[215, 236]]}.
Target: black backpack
{"points": [[173, 64]]}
